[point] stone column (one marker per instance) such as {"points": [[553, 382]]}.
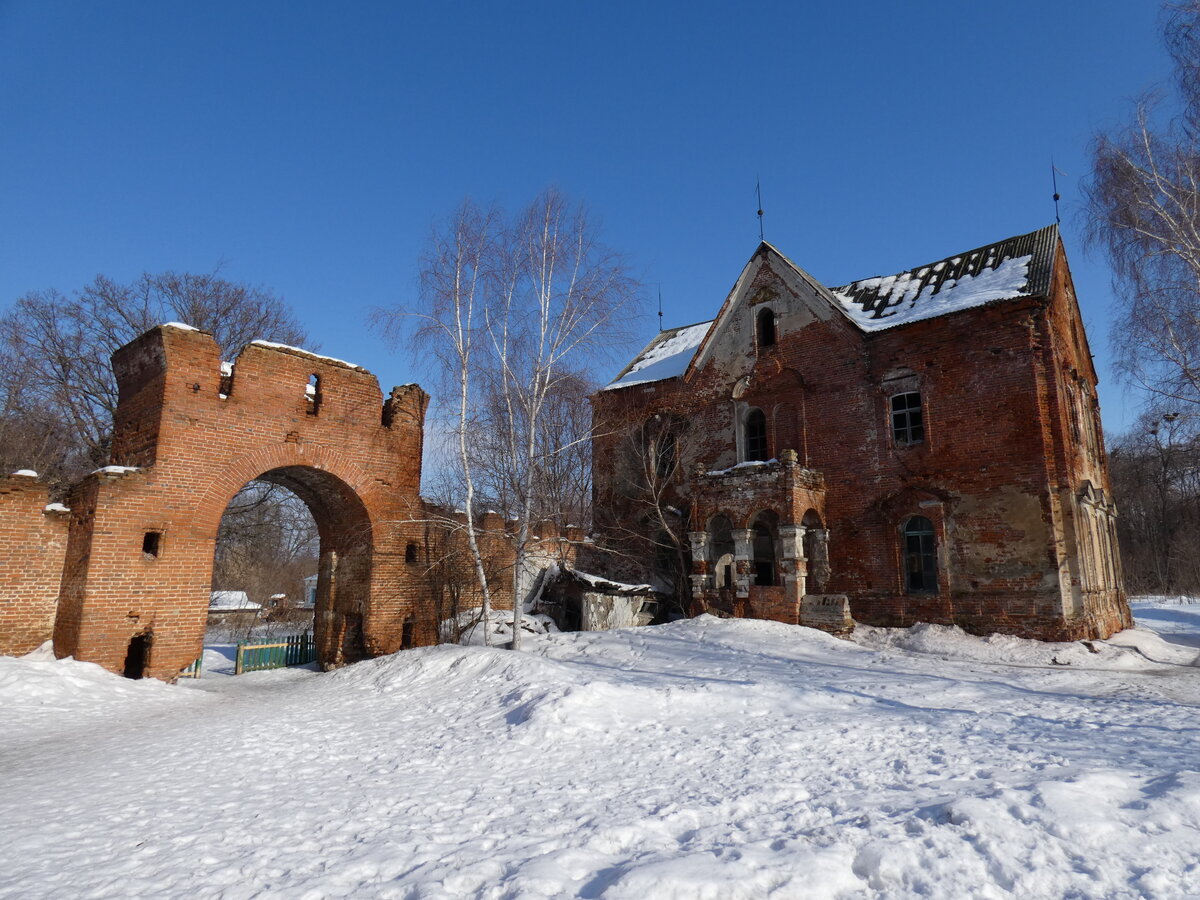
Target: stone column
{"points": [[792, 562], [818, 566], [743, 554], [700, 576]]}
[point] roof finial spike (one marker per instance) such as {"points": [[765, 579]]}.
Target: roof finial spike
{"points": [[660, 315], [1054, 173], [758, 193]]}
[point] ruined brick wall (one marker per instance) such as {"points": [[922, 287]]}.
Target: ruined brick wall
{"points": [[33, 540], [998, 473], [188, 437]]}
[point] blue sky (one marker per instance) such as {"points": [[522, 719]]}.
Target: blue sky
{"points": [[309, 147]]}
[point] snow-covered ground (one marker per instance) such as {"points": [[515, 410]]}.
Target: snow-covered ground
{"points": [[707, 758]]}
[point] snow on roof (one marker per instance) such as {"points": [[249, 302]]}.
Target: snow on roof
{"points": [[303, 352], [180, 325], [666, 356], [1015, 267], [227, 600], [606, 584]]}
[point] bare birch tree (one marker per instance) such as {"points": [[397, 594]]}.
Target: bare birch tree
{"points": [[514, 311], [1143, 210], [455, 275]]}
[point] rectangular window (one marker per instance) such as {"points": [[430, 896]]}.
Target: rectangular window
{"points": [[908, 427], [152, 544]]}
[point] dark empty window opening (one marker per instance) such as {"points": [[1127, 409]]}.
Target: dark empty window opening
{"points": [[410, 553], [764, 555], [920, 556], [908, 426], [756, 436], [312, 394], [152, 544], [137, 658], [407, 636], [766, 328]]}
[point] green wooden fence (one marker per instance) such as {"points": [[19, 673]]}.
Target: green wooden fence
{"points": [[192, 671], [294, 650]]}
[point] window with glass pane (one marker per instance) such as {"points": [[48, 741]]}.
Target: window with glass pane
{"points": [[920, 555], [907, 424], [756, 435]]}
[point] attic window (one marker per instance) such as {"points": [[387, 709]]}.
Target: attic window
{"points": [[151, 544], [766, 328], [312, 394]]}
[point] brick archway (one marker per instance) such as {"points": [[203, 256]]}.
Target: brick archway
{"points": [[190, 432]]}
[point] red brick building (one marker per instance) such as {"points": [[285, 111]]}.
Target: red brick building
{"points": [[927, 444]]}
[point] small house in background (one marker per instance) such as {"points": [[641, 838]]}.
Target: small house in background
{"points": [[233, 608], [577, 601]]}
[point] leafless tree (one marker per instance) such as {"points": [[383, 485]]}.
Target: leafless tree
{"points": [[1143, 210], [57, 376], [1155, 470], [455, 272], [515, 310]]}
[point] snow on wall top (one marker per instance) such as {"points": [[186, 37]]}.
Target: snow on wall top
{"points": [[1015, 267], [666, 356], [300, 351]]}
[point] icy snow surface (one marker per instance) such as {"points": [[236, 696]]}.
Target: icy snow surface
{"points": [[25, 473], [904, 303], [55, 508], [114, 470], [704, 759], [666, 360]]}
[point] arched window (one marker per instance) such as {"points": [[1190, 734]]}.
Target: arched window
{"points": [[756, 435], [908, 426], [766, 328], [920, 556]]}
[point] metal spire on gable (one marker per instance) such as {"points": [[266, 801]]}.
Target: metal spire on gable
{"points": [[758, 193], [1054, 173]]}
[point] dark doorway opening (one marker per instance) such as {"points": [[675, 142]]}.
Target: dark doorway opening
{"points": [[137, 658]]}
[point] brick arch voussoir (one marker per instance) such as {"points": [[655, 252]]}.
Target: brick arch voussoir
{"points": [[239, 472]]}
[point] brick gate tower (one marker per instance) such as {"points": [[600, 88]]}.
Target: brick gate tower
{"points": [[192, 431]]}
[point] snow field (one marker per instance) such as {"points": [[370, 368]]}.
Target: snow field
{"points": [[708, 758]]}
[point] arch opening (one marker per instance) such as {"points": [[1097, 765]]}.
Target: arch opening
{"points": [[296, 544]]}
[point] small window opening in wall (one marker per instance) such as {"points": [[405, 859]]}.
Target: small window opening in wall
{"points": [[908, 426], [920, 556], [312, 394], [766, 328], [152, 544], [410, 553], [137, 657], [407, 635], [756, 436]]}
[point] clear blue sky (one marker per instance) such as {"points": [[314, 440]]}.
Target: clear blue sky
{"points": [[308, 147]]}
